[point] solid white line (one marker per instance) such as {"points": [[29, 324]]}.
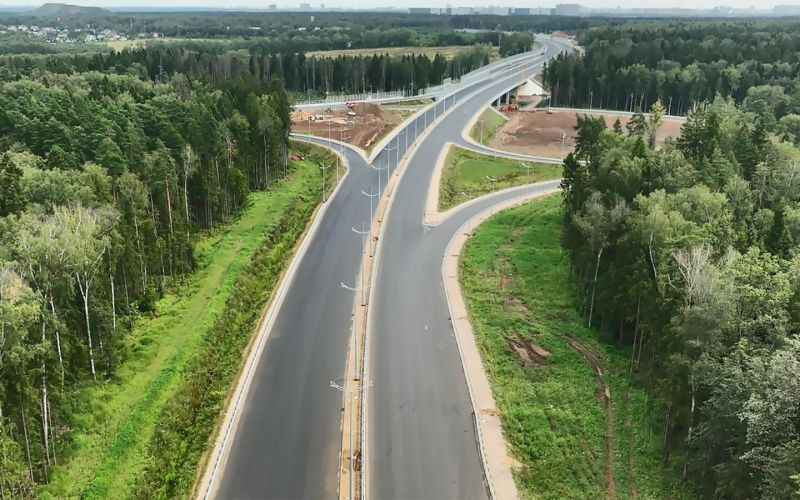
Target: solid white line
{"points": [[230, 423]]}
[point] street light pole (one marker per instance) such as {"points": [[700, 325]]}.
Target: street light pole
{"points": [[351, 393], [364, 233], [386, 167], [388, 157], [493, 180], [527, 166], [324, 168], [371, 196]]}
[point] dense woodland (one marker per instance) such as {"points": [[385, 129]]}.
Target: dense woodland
{"points": [[112, 164], [299, 73], [105, 181], [690, 255], [307, 30], [683, 64]]}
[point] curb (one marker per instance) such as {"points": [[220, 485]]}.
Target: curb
{"points": [[488, 427], [207, 485]]}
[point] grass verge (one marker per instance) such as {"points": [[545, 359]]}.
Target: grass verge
{"points": [[485, 129], [118, 425], [525, 313], [465, 175]]}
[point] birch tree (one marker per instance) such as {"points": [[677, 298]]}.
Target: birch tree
{"points": [[87, 237]]}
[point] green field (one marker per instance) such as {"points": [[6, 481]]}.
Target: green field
{"points": [[464, 175], [517, 287], [485, 129], [113, 422]]}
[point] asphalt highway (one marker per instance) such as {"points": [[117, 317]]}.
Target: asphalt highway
{"points": [[421, 438], [287, 439]]}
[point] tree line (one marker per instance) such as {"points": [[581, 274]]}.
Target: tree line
{"points": [[682, 64], [689, 255], [302, 74], [105, 183]]}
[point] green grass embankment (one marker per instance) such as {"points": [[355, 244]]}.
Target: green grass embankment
{"points": [[466, 175], [143, 433], [525, 313], [485, 129]]}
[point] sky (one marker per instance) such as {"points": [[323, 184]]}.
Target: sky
{"points": [[354, 4]]}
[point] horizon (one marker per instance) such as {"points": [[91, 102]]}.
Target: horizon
{"points": [[354, 6]]}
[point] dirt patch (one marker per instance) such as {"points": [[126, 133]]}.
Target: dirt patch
{"points": [[532, 355], [593, 359], [541, 133], [517, 303], [362, 125]]}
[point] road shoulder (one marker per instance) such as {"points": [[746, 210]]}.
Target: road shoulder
{"points": [[494, 449]]}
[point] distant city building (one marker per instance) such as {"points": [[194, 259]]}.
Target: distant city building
{"points": [[305, 6], [524, 11], [787, 10], [419, 10], [272, 6], [567, 9]]}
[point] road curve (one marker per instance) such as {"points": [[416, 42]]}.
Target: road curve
{"points": [[421, 437], [286, 439]]}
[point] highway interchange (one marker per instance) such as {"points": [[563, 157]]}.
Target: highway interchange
{"points": [[420, 432]]}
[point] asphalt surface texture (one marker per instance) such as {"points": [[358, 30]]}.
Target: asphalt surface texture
{"points": [[421, 439]]}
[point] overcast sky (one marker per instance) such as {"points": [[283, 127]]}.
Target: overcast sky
{"points": [[349, 4]]}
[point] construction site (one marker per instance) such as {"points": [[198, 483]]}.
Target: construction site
{"points": [[359, 124], [551, 133]]}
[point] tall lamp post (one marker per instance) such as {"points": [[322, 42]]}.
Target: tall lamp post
{"points": [[527, 167], [493, 180], [351, 393], [324, 194], [379, 169]]}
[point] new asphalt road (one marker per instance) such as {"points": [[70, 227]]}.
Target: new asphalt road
{"points": [[287, 440], [421, 438]]}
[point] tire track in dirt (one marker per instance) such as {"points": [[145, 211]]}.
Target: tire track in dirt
{"points": [[631, 447], [592, 358]]}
